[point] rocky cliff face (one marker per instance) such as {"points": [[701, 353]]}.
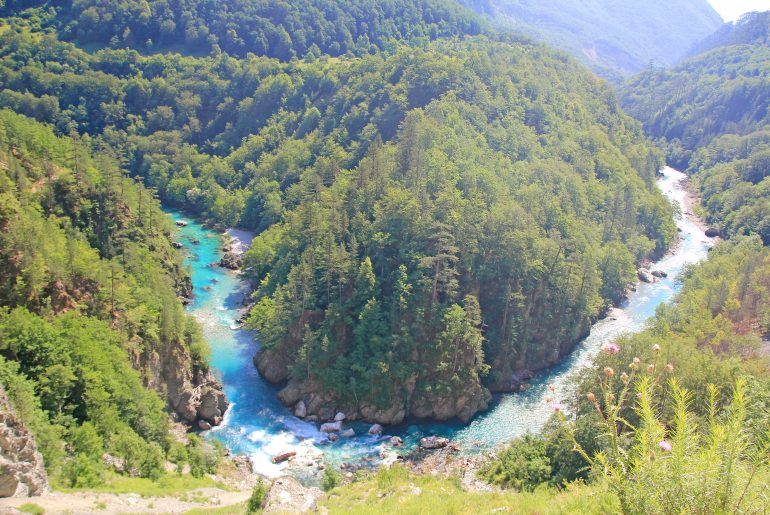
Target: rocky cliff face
{"points": [[311, 402], [22, 472], [508, 373], [193, 394]]}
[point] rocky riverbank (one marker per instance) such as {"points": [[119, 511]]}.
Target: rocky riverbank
{"points": [[310, 401]]}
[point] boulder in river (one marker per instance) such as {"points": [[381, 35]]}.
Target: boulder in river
{"points": [[339, 417], [213, 404], [396, 441], [231, 261], [181, 223], [645, 276], [300, 410], [177, 245], [283, 456], [331, 427], [434, 442], [660, 274], [376, 429], [348, 433]]}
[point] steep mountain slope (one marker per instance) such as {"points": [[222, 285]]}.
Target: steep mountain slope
{"points": [[614, 37], [360, 175], [278, 29], [713, 110], [751, 29], [724, 91], [94, 343]]}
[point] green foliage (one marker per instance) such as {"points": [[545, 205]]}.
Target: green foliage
{"points": [[203, 456], [546, 457], [710, 335], [331, 479], [254, 504], [732, 175], [284, 30], [31, 507], [88, 284], [751, 29], [724, 91], [660, 466], [523, 466], [396, 490]]}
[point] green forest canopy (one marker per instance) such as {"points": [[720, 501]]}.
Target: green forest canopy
{"points": [[280, 29], [88, 289], [491, 178]]}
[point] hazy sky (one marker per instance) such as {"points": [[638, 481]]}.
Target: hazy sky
{"points": [[732, 9]]}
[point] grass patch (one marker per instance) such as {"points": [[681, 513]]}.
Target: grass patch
{"points": [[31, 507], [233, 509], [398, 491], [166, 486]]}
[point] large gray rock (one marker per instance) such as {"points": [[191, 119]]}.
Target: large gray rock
{"points": [[300, 410], [213, 404], [433, 442], [287, 495], [22, 472], [231, 260], [331, 427], [273, 365], [645, 276]]}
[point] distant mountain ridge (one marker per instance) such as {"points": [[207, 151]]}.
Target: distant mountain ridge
{"points": [[751, 29], [614, 37]]}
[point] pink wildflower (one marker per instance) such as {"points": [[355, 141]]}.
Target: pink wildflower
{"points": [[664, 445], [557, 407], [610, 348]]}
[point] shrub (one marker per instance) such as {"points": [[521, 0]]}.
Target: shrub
{"points": [[689, 466], [330, 479], [257, 496], [83, 471], [523, 466]]}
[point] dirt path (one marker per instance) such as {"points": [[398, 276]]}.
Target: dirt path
{"points": [[88, 503]]}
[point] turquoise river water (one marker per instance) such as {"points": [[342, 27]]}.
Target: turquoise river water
{"points": [[259, 426]]}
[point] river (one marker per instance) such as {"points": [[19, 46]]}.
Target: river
{"points": [[259, 426]]}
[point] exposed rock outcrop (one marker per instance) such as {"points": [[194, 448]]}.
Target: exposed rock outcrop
{"points": [[645, 276], [22, 472], [445, 407], [274, 366], [194, 394], [287, 495], [433, 442], [231, 260]]}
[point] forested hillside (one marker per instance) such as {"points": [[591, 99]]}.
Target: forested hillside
{"points": [[94, 343], [372, 202], [280, 29], [664, 412], [615, 38], [751, 29], [712, 110], [433, 269]]}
